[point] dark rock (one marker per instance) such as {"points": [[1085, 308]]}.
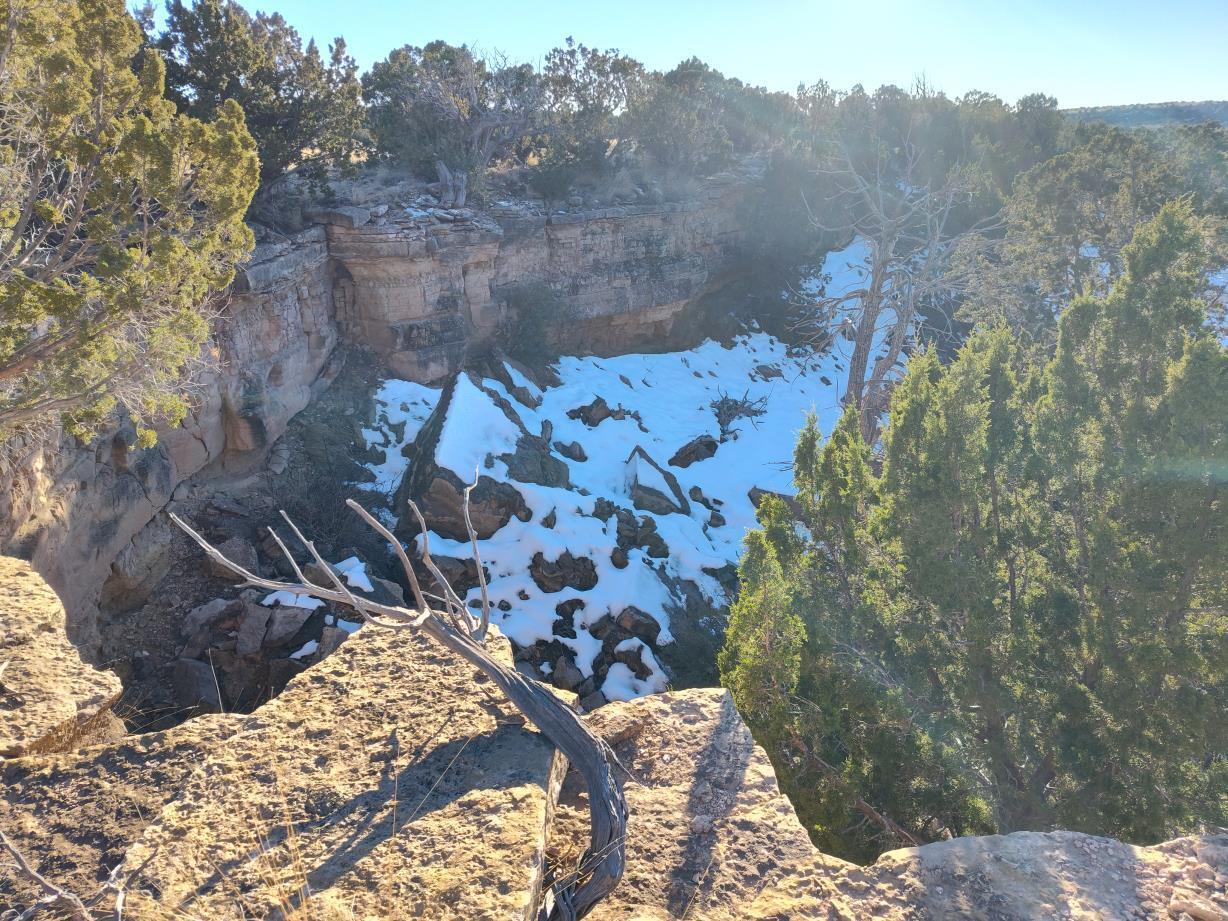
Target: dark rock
{"points": [[572, 451], [194, 685], [757, 496], [207, 614], [618, 556], [552, 519], [281, 671], [640, 623], [252, 628], [727, 576], [283, 623], [331, 639], [533, 463], [697, 495], [716, 520], [768, 372], [244, 681], [504, 605], [565, 675], [699, 448], [237, 550], [387, 592], [633, 659], [565, 572], [317, 575], [593, 701], [462, 574], [593, 414], [648, 497], [492, 505]]}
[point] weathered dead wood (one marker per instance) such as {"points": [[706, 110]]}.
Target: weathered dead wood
{"points": [[456, 629], [64, 904]]}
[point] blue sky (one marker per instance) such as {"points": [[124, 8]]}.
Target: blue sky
{"points": [[1085, 52]]}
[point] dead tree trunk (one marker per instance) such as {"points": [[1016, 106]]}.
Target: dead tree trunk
{"points": [[453, 186]]}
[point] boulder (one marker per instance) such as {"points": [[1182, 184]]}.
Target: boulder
{"points": [[565, 675], [533, 463], [196, 685], [593, 701], [592, 414], [572, 450], [330, 641], [252, 626], [237, 550], [49, 698], [566, 572], [653, 488], [283, 623], [699, 448], [385, 591], [492, 505], [208, 614], [639, 623]]}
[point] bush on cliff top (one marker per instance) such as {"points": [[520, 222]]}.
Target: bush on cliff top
{"points": [[118, 219]]}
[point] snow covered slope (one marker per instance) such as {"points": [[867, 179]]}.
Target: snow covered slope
{"points": [[585, 578]]}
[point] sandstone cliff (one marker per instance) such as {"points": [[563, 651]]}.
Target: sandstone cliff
{"points": [[417, 287]]}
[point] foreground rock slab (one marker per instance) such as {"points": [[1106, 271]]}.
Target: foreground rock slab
{"points": [[49, 698], [390, 779], [1025, 876], [708, 827]]}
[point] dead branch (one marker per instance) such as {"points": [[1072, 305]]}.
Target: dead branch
{"points": [[601, 866]]}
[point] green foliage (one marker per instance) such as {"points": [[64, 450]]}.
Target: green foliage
{"points": [[118, 220], [1069, 218], [586, 90], [1019, 622], [304, 112], [442, 103]]}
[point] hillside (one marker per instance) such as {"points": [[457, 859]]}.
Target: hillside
{"points": [[1153, 114]]}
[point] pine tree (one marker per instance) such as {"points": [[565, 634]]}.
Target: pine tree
{"points": [[118, 221]]}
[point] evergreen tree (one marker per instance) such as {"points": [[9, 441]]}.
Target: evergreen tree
{"points": [[118, 220], [1020, 622], [304, 112]]}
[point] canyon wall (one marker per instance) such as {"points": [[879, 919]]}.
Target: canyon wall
{"points": [[420, 288], [78, 512]]}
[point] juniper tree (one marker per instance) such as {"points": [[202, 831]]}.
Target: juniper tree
{"points": [[305, 112], [1020, 622], [118, 219]]}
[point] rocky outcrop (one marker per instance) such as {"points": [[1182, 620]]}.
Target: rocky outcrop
{"points": [[419, 286], [391, 780], [49, 698]]}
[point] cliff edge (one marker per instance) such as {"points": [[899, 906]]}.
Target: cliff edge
{"points": [[391, 781]]}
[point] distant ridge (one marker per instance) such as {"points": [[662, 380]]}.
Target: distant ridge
{"points": [[1153, 114]]}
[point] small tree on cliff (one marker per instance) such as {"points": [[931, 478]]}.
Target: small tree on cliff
{"points": [[118, 219], [441, 107], [304, 112]]}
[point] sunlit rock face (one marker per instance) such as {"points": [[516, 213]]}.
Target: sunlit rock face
{"points": [[421, 287]]}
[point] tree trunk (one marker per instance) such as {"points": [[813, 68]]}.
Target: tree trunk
{"points": [[453, 186]]}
